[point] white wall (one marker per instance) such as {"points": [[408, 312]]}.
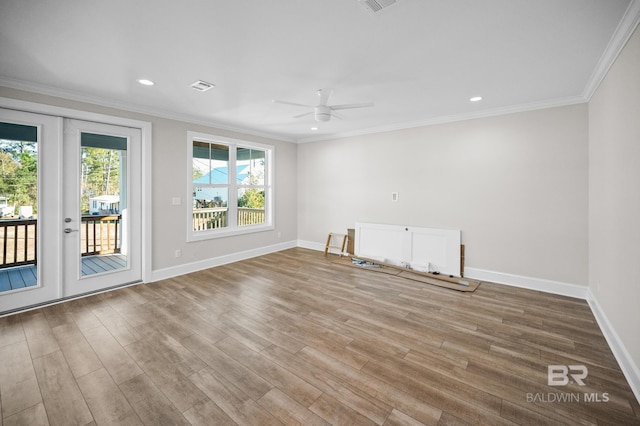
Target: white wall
{"points": [[614, 200], [516, 185], [169, 169]]}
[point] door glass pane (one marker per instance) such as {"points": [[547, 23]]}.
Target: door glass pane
{"points": [[103, 203], [18, 206]]}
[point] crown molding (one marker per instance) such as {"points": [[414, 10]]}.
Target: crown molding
{"points": [[155, 112], [621, 35], [552, 103]]}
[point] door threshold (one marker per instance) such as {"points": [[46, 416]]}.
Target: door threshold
{"points": [[67, 299]]}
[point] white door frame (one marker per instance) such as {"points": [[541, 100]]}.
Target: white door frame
{"points": [[76, 283], [146, 137], [49, 240]]}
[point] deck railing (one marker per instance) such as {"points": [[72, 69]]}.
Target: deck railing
{"points": [[216, 217], [19, 246], [19, 242], [100, 234]]}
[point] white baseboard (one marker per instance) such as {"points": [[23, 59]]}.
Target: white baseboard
{"points": [[531, 283], [174, 271], [629, 369], [311, 245], [627, 365], [548, 286]]}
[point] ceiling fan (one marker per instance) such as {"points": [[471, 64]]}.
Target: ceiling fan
{"points": [[323, 111]]}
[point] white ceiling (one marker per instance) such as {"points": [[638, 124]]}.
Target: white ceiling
{"points": [[419, 60]]}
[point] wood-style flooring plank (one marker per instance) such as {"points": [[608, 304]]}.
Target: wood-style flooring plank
{"points": [[207, 413], [239, 406], [112, 355], [77, 351], [246, 380], [398, 418], [295, 387], [35, 415], [11, 330], [176, 386], [39, 335], [150, 404], [335, 378], [335, 412], [293, 338], [105, 400], [288, 411], [18, 383], [62, 397]]}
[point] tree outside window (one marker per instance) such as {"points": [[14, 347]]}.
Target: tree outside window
{"points": [[230, 186]]}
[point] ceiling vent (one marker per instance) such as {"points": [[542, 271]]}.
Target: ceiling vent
{"points": [[202, 86], [375, 6]]}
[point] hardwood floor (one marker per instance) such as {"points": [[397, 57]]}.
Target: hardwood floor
{"points": [[292, 338]]}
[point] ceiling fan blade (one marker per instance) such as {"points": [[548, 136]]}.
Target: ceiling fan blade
{"points": [[338, 116], [276, 101], [302, 115], [351, 106], [324, 94]]}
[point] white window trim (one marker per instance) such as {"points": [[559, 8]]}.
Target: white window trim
{"points": [[268, 185]]}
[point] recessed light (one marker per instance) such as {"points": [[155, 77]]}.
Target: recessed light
{"points": [[476, 99], [314, 128], [146, 82]]}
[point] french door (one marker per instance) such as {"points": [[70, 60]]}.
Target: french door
{"points": [[70, 204], [101, 206], [30, 255]]}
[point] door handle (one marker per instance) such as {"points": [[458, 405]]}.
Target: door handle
{"points": [[69, 230]]}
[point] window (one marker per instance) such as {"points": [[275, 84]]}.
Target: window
{"points": [[229, 186]]}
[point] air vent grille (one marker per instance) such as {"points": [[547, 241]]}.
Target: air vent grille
{"points": [[376, 6], [202, 86]]}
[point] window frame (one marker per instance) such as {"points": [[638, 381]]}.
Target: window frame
{"points": [[233, 187]]}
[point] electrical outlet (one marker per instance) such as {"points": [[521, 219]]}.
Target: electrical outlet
{"points": [[394, 197], [178, 253]]}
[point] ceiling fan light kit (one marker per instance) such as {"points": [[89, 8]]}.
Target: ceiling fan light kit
{"points": [[323, 112]]}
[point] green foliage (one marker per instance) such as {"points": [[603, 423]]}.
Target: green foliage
{"points": [[252, 199], [197, 173], [19, 173], [100, 174]]}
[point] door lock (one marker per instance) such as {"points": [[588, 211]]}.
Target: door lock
{"points": [[67, 219]]}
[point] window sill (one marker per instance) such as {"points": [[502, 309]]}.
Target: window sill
{"points": [[223, 233]]}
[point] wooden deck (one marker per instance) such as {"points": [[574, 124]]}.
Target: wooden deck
{"points": [[292, 338], [103, 263], [18, 277], [26, 276]]}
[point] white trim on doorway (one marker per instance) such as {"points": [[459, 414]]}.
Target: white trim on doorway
{"points": [[146, 137]]}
